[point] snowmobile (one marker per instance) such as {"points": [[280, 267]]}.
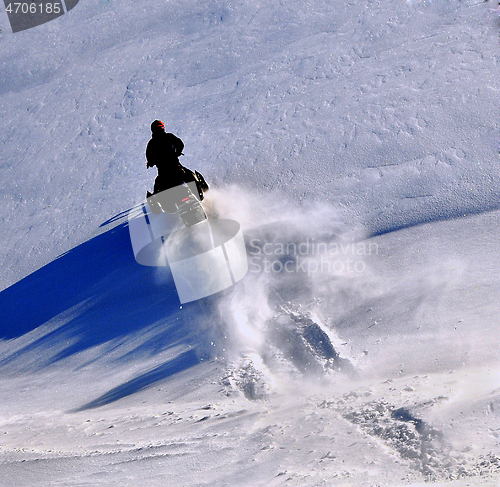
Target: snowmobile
{"points": [[185, 200]]}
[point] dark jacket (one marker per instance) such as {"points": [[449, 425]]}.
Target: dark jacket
{"points": [[163, 151]]}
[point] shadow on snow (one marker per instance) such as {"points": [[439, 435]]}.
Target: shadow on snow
{"points": [[96, 294], [182, 362]]}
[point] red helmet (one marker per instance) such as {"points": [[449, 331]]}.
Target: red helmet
{"points": [[157, 125]]}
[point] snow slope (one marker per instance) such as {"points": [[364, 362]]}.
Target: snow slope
{"points": [[364, 134], [387, 109]]}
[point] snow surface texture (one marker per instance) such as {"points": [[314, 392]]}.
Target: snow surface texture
{"points": [[357, 145]]}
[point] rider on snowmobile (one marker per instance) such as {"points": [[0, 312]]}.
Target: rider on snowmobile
{"points": [[163, 151]]}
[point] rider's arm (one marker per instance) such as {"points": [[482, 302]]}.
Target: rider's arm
{"points": [[149, 155]]}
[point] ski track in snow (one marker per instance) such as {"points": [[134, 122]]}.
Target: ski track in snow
{"points": [[357, 145]]}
